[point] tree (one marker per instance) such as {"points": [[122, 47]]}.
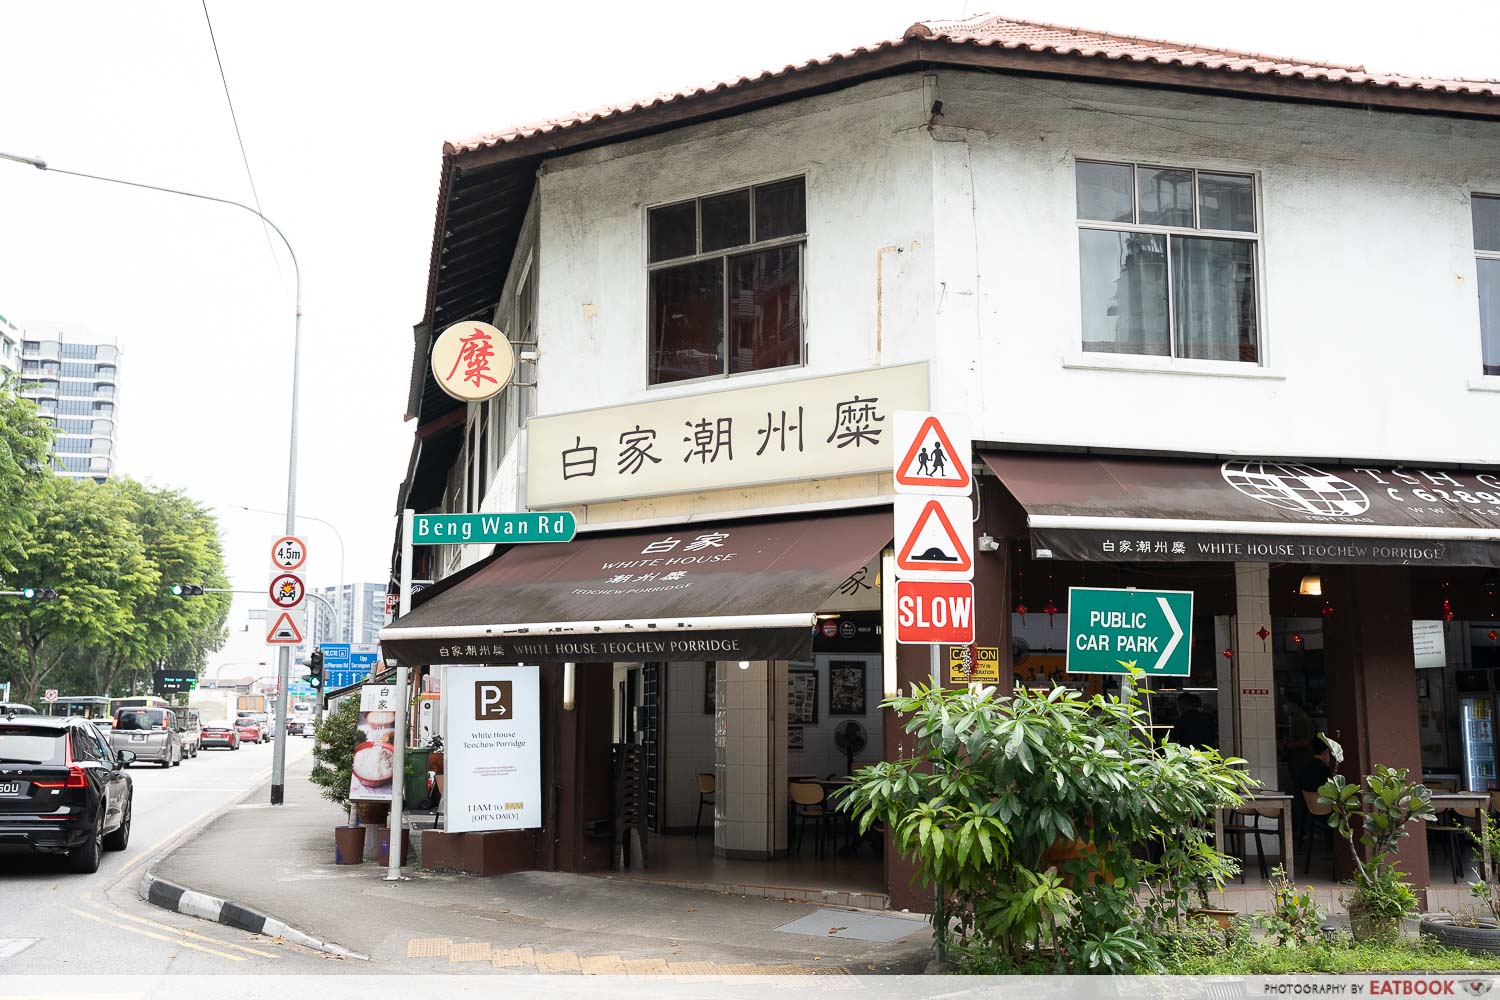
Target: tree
{"points": [[83, 544], [25, 441], [181, 542]]}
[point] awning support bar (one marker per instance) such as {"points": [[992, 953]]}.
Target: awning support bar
{"points": [[395, 633]]}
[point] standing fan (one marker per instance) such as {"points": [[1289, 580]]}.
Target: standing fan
{"points": [[1020, 651], [850, 737]]}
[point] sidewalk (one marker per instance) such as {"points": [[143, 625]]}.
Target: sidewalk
{"points": [[280, 861]]}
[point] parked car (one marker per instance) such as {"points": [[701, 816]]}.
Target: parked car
{"points": [[192, 731], [219, 734], [149, 733], [16, 708], [249, 730], [62, 789]]}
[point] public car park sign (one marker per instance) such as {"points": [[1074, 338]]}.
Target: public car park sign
{"points": [[1115, 631]]}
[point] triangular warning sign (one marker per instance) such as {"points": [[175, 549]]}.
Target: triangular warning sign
{"points": [[949, 555], [939, 466], [285, 631]]}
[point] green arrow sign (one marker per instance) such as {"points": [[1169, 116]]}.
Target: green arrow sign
{"points": [[483, 529], [1114, 631]]}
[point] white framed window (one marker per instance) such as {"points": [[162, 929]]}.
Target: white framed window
{"points": [[1486, 208], [725, 277], [1169, 261]]}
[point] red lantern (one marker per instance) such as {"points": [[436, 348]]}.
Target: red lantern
{"points": [[1228, 653], [1051, 610], [1494, 635], [1447, 610], [1021, 610], [1263, 633], [1327, 609], [1297, 638]]}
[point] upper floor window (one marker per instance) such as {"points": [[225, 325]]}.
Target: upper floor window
{"points": [[1168, 259], [726, 282], [1487, 254]]}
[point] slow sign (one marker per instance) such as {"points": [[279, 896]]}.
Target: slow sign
{"points": [[928, 612]]}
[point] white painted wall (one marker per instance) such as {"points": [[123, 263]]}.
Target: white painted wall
{"points": [[819, 755], [1370, 327]]}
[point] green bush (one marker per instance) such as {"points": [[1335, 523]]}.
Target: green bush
{"points": [[1341, 956], [333, 751], [1029, 814]]}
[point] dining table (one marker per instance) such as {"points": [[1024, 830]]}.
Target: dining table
{"points": [[1465, 806], [1263, 804]]}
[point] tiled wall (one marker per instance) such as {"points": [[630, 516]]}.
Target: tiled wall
{"points": [[743, 765], [1256, 671], [689, 745]]}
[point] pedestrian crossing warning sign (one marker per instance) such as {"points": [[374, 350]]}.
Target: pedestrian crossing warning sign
{"points": [[285, 631], [935, 453]]}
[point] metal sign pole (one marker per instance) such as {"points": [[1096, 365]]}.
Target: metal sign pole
{"points": [[398, 779]]}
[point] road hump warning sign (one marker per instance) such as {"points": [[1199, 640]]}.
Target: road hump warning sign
{"points": [[284, 631]]}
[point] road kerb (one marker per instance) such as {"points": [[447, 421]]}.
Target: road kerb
{"points": [[180, 899]]}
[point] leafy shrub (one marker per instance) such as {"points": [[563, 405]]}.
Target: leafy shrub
{"points": [[333, 751], [1029, 814], [1294, 918]]}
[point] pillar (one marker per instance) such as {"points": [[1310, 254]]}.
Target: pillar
{"points": [[1256, 682], [743, 814], [1370, 678]]}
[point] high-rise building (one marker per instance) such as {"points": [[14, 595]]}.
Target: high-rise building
{"points": [[73, 378], [361, 612], [11, 336]]}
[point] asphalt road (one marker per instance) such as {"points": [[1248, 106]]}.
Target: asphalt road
{"points": [[53, 922]]}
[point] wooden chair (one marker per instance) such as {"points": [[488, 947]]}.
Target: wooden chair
{"points": [[807, 800], [1242, 830], [1318, 813], [1456, 832], [708, 783]]}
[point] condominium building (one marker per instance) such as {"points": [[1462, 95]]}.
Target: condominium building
{"points": [[361, 609], [10, 346], [73, 378]]}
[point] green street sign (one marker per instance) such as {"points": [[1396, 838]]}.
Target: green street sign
{"points": [[1113, 631], [483, 529]]}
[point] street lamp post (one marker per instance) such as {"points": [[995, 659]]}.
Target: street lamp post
{"points": [[284, 658]]}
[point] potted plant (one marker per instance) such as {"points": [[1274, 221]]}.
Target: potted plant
{"points": [[333, 767], [1380, 808]]}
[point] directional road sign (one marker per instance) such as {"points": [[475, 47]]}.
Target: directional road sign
{"points": [[1113, 631], [485, 529], [929, 612]]}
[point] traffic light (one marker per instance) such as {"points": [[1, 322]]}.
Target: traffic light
{"points": [[39, 594], [315, 669], [187, 590]]}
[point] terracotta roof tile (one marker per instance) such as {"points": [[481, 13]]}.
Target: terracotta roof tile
{"points": [[986, 30]]}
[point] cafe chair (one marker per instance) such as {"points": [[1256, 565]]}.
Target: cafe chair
{"points": [[708, 783], [808, 801], [1450, 828], [1241, 831], [1318, 813]]}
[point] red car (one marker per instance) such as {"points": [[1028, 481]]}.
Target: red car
{"points": [[248, 729], [219, 734]]}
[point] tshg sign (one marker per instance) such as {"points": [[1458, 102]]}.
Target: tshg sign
{"points": [[494, 763]]}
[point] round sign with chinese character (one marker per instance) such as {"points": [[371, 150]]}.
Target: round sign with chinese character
{"points": [[472, 361]]}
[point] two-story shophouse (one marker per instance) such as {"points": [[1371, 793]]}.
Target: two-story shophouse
{"points": [[1219, 322]]}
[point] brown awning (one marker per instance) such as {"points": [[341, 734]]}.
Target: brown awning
{"points": [[1164, 510], [735, 590]]}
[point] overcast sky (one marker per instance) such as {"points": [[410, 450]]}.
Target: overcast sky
{"points": [[344, 108]]}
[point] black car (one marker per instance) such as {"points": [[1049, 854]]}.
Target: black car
{"points": [[62, 790]]}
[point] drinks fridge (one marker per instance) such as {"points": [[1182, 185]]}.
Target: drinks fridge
{"points": [[1477, 719]]}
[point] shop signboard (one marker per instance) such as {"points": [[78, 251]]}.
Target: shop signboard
{"points": [[787, 431], [1115, 631], [374, 748], [493, 763], [472, 361]]}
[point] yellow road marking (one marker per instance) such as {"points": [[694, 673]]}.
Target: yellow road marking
{"points": [[160, 937], [192, 934]]}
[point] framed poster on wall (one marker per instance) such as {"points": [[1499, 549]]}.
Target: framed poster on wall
{"points": [[802, 697], [846, 687]]}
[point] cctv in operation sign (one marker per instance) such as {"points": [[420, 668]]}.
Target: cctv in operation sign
{"points": [[494, 748]]}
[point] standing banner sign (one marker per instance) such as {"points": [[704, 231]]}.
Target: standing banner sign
{"points": [[494, 761], [374, 751]]}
